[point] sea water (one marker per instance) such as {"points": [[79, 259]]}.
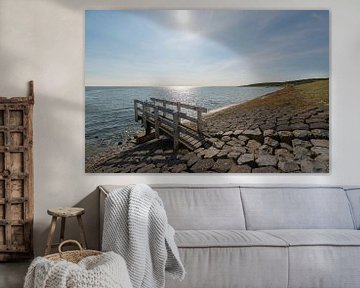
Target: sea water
{"points": [[109, 111]]}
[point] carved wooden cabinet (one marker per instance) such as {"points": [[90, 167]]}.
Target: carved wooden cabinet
{"points": [[16, 177]]}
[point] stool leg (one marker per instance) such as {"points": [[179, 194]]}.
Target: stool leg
{"points": [[62, 230], [51, 235], [82, 232]]}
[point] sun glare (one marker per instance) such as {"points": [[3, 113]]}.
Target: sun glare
{"points": [[181, 88], [183, 17]]}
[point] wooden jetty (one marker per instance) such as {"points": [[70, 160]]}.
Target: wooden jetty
{"points": [[170, 118]]}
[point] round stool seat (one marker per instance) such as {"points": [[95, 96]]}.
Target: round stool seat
{"points": [[66, 211]]}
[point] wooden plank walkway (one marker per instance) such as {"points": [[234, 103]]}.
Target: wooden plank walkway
{"points": [[170, 118]]}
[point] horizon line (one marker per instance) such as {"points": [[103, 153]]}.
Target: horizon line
{"points": [[236, 85]]}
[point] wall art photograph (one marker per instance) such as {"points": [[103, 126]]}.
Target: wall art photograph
{"points": [[203, 91]]}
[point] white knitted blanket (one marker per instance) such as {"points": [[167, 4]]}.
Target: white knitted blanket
{"points": [[103, 271], [136, 227]]}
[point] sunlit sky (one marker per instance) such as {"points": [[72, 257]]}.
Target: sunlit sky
{"points": [[204, 47]]}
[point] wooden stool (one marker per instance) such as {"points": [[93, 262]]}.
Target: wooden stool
{"points": [[64, 213]]}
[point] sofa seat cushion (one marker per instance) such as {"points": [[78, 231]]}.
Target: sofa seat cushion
{"points": [[225, 238], [317, 237]]}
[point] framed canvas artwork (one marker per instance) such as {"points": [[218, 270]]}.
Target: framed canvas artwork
{"points": [[207, 91]]}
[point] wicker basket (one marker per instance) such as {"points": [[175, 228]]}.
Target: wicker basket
{"points": [[72, 256]]}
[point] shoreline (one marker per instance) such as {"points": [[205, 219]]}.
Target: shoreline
{"points": [[114, 142], [220, 109], [211, 112]]}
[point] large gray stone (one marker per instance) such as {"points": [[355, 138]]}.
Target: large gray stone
{"points": [[271, 142], [253, 145], [302, 143], [320, 125], [286, 146], [286, 136], [158, 157], [266, 160], [219, 134], [178, 168], [323, 158], [255, 134], [212, 140], [239, 149], [227, 148], [165, 169], [320, 133], [302, 134], [315, 119], [267, 169], [246, 158], [222, 153], [299, 126], [228, 133], [313, 166], [154, 170], [198, 150], [160, 164], [301, 152], [238, 132], [146, 168], [225, 138], [233, 142], [283, 128], [243, 138], [188, 156], [284, 155], [265, 150], [270, 133], [192, 160], [211, 152], [240, 169], [288, 166], [320, 150], [202, 165], [320, 142], [223, 165], [201, 153], [219, 144], [233, 154]]}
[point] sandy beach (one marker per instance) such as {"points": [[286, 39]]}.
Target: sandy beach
{"points": [[286, 131]]}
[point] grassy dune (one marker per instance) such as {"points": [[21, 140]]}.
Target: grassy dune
{"points": [[291, 82], [291, 98]]}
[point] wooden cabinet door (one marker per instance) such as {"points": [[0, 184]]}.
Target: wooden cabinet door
{"points": [[16, 178]]}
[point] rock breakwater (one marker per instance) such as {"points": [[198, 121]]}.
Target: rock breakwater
{"points": [[284, 132]]}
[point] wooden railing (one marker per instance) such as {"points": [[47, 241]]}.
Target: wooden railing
{"points": [[166, 117]]}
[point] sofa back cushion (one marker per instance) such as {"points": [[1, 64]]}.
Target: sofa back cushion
{"points": [[296, 208], [354, 198], [203, 208]]}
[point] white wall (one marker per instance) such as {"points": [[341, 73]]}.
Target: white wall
{"points": [[43, 40]]}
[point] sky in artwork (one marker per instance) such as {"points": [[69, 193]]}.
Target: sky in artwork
{"points": [[204, 47]]}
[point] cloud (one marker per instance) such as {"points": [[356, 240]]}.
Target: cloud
{"points": [[203, 47]]}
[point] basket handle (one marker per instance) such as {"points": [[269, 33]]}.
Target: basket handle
{"points": [[69, 241]]}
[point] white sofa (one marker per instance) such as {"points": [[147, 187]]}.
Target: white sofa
{"points": [[241, 236]]}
